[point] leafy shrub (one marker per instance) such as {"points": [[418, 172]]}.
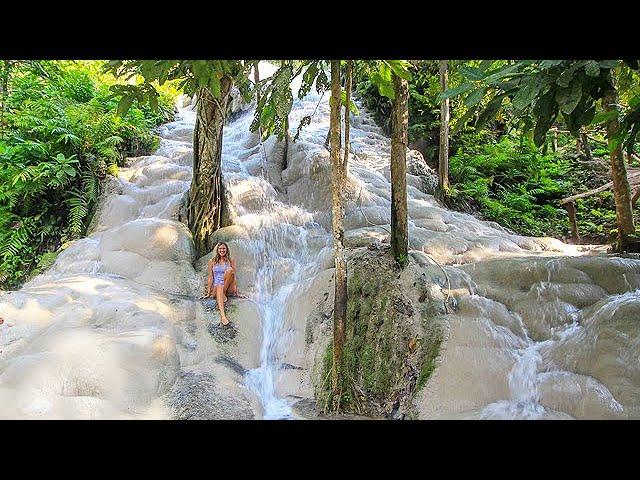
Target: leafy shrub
{"points": [[512, 183], [60, 137]]}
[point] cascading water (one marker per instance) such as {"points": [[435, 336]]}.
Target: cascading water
{"points": [[285, 244], [114, 329]]}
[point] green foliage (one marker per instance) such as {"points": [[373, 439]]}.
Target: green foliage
{"points": [[381, 73], [542, 92], [402, 260], [61, 137], [424, 105], [188, 75], [511, 183]]}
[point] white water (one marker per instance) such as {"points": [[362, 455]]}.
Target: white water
{"points": [[286, 246], [103, 335]]}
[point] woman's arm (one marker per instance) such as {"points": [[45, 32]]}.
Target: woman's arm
{"points": [[210, 278], [233, 265]]}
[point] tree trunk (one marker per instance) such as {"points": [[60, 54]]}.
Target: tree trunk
{"points": [[621, 190], [256, 80], [206, 192], [443, 164], [337, 188], [286, 137], [347, 121], [4, 93], [573, 221], [585, 145], [399, 136]]}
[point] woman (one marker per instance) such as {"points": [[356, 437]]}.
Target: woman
{"points": [[222, 279]]}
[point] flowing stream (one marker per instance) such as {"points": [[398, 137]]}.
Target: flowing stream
{"points": [[114, 328]]}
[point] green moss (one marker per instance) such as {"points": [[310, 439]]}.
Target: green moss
{"points": [[376, 349], [368, 354], [429, 354]]}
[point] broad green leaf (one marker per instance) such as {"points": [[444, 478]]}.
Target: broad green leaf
{"points": [[489, 111], [504, 72], [608, 63], [472, 73], [484, 65], [124, 104], [566, 77], [386, 90], [546, 64], [604, 117], [400, 68], [452, 92], [474, 97], [352, 106], [569, 97], [542, 127], [526, 94], [592, 69]]}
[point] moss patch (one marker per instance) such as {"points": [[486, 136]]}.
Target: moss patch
{"points": [[393, 338], [428, 364], [372, 355]]}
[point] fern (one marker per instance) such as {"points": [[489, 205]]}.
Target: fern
{"points": [[90, 186], [61, 137], [14, 242], [78, 211]]}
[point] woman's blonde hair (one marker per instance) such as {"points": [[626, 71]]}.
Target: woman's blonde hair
{"points": [[216, 256]]}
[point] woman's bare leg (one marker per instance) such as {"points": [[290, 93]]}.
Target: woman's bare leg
{"points": [[220, 298], [230, 282]]}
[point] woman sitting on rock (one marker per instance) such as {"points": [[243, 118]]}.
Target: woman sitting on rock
{"points": [[222, 279]]}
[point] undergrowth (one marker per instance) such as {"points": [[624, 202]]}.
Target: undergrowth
{"points": [[59, 138]]}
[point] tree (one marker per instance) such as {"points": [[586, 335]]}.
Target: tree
{"points": [[206, 192], [621, 189], [338, 180], [399, 140], [391, 77], [443, 155], [272, 118], [211, 81], [5, 77], [540, 91]]}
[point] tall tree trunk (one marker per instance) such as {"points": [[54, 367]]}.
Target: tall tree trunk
{"points": [[621, 190], [206, 192], [256, 80], [443, 163], [337, 188], [347, 120], [399, 139], [285, 152], [4, 93]]}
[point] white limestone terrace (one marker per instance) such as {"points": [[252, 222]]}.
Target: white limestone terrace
{"points": [[114, 329]]}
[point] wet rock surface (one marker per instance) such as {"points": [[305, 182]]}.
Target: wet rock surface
{"points": [[114, 328], [201, 397], [531, 327]]}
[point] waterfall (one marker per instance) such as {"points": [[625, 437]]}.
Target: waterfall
{"points": [[114, 328]]}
